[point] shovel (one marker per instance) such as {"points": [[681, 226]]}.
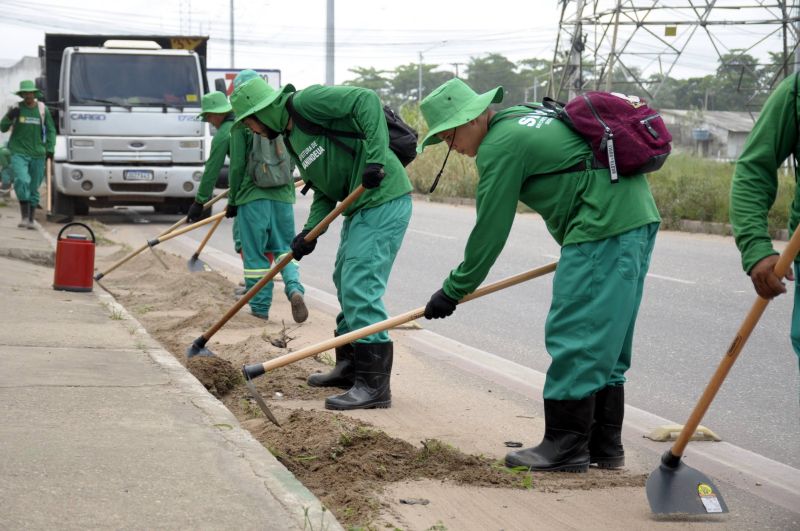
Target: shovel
{"points": [[674, 487], [195, 264], [257, 369], [144, 247], [198, 347]]}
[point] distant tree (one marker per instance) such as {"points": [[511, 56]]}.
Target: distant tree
{"points": [[371, 78], [485, 73], [405, 83], [534, 75], [736, 82]]}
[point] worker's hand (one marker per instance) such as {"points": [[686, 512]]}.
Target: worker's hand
{"points": [[440, 306], [300, 247], [50, 155], [230, 211], [13, 112], [372, 176], [195, 212], [768, 285]]}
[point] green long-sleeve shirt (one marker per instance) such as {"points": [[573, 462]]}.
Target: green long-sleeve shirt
{"points": [[220, 148], [5, 157], [242, 189], [333, 172], [755, 180], [26, 139], [523, 158]]}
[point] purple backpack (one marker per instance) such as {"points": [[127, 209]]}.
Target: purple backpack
{"points": [[627, 136]]}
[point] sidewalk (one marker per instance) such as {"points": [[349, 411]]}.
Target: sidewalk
{"points": [[102, 428]]}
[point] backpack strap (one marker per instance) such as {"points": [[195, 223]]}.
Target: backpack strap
{"points": [[313, 128]]}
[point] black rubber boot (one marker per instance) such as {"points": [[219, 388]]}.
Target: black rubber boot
{"points": [[565, 447], [24, 206], [373, 363], [343, 373], [31, 212], [605, 441]]}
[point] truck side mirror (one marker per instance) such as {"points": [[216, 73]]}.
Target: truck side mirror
{"points": [[219, 84]]}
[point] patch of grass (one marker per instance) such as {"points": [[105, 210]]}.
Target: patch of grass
{"points": [[141, 345], [308, 524], [144, 309], [438, 526], [326, 358], [686, 188], [250, 408]]}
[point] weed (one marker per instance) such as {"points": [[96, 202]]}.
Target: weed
{"points": [[325, 358], [307, 524], [144, 309], [141, 345], [250, 408], [438, 526], [306, 458]]}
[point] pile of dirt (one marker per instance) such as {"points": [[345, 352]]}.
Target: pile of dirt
{"points": [[343, 461], [217, 375]]}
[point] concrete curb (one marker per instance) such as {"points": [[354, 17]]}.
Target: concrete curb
{"points": [[284, 487]]}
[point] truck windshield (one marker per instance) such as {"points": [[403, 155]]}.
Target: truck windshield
{"points": [[132, 79]]}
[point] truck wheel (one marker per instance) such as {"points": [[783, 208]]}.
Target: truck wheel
{"points": [[81, 207], [63, 205]]}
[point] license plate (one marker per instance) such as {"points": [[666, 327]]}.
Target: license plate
{"points": [[137, 175]]}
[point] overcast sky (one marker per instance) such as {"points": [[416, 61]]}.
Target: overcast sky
{"points": [[290, 34]]}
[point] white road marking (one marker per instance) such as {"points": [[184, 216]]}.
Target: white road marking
{"points": [[432, 234]]}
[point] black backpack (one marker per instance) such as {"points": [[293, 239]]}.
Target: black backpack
{"points": [[402, 137]]}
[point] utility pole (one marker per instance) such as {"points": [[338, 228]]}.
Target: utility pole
{"points": [[231, 39], [329, 45], [419, 69], [575, 54]]}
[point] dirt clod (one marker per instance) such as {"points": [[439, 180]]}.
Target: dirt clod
{"points": [[219, 376]]}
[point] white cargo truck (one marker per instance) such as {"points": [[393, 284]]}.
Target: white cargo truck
{"points": [[125, 110]]}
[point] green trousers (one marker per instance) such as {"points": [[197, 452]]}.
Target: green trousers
{"points": [[28, 175], [597, 290], [7, 177], [267, 226], [368, 245]]}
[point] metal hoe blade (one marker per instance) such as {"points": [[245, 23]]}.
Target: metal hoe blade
{"points": [[260, 402], [681, 489], [196, 265]]}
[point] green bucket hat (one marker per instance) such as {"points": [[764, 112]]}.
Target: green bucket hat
{"points": [[453, 104], [28, 86], [254, 95], [215, 102]]}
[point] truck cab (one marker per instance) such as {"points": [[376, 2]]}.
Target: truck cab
{"points": [[127, 127]]}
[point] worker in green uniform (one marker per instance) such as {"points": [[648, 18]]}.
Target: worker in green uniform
{"points": [[374, 225], [217, 111], [607, 232], [33, 140], [5, 170], [754, 189], [261, 188]]}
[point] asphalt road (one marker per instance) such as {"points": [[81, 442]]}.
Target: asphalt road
{"points": [[696, 297]]}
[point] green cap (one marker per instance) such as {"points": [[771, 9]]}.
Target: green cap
{"points": [[28, 86], [254, 95], [215, 102], [451, 105]]}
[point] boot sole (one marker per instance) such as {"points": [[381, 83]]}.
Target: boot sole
{"points": [[299, 309], [609, 462], [580, 468], [376, 405]]}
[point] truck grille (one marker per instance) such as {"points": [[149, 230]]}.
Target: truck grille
{"points": [[137, 187]]}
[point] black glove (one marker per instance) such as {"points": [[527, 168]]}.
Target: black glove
{"points": [[230, 211], [440, 306], [195, 212], [300, 247], [13, 113], [372, 176]]}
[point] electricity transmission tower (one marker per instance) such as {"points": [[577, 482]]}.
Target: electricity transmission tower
{"points": [[640, 43]]}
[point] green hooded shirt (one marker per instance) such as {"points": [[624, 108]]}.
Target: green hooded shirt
{"points": [[523, 158], [26, 139], [755, 180], [220, 146], [242, 187], [332, 172]]}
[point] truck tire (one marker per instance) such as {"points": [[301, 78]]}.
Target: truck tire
{"points": [[81, 207], [63, 205]]}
